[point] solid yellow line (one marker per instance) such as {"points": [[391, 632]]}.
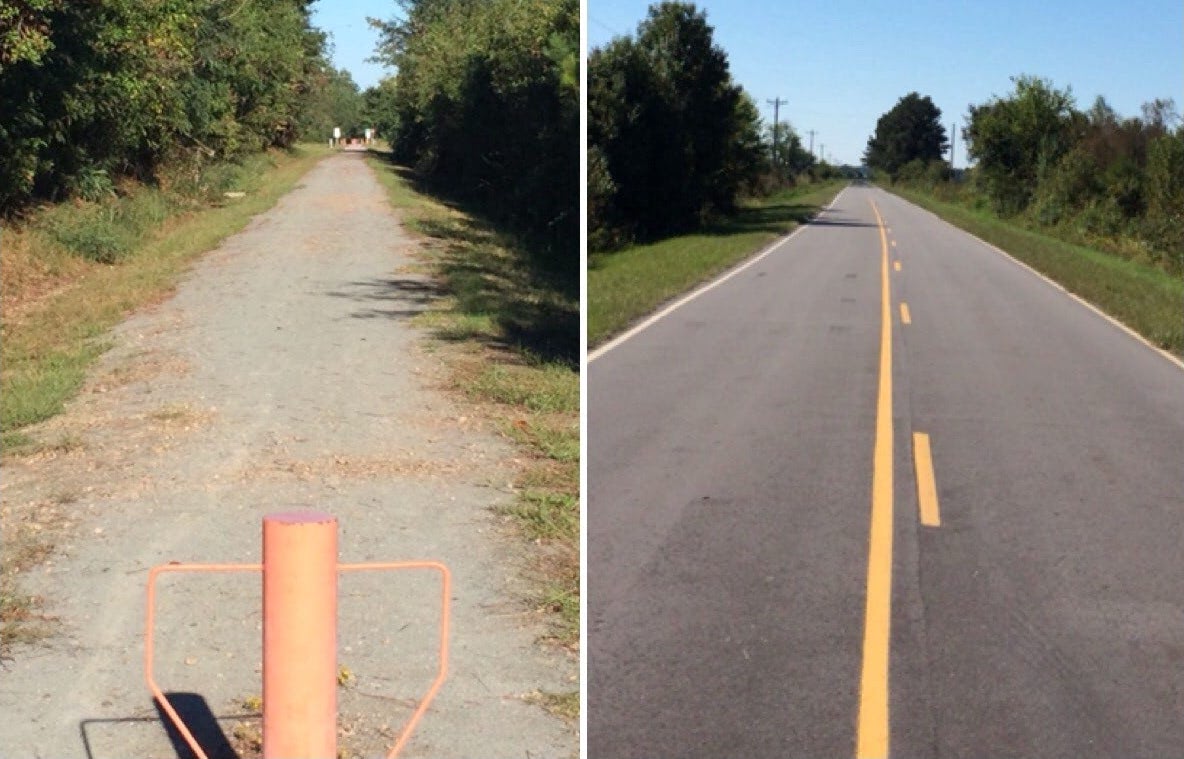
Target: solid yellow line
{"points": [[926, 484], [872, 739], [905, 316], [896, 265]]}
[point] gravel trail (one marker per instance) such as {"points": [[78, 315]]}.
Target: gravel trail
{"points": [[281, 375]]}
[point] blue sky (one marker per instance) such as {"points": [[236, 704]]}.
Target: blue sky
{"points": [[840, 64], [353, 39]]}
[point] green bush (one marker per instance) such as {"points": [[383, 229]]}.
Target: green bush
{"points": [[91, 231]]}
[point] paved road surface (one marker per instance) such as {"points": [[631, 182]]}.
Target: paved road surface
{"points": [[730, 496]]}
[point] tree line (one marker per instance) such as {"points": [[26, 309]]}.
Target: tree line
{"points": [[673, 141], [1089, 175], [486, 102], [93, 92]]}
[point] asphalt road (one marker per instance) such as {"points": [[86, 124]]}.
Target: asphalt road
{"points": [[731, 465]]}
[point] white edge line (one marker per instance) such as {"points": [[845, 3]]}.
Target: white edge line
{"points": [[650, 320], [1054, 284]]}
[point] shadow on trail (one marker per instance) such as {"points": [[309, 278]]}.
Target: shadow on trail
{"points": [[403, 297], [193, 710], [504, 290]]}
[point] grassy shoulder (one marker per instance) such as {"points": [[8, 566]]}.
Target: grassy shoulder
{"points": [[1143, 297], [73, 271], [510, 340], [624, 285]]}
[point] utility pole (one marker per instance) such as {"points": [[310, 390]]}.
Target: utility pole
{"points": [[776, 103], [953, 138], [821, 153], [811, 143]]}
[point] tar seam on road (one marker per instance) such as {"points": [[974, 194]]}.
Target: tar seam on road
{"points": [[703, 289], [872, 737], [926, 483]]}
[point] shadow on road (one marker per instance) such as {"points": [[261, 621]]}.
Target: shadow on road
{"points": [[838, 222], [194, 712]]}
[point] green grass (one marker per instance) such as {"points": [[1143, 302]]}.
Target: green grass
{"points": [[566, 705], [1144, 298], [540, 387], [513, 339], [139, 244], [627, 284]]}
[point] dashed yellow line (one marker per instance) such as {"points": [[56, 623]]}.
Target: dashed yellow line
{"points": [[872, 737], [896, 265], [905, 316], [926, 483]]}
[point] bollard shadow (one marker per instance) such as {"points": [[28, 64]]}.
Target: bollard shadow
{"points": [[193, 710]]}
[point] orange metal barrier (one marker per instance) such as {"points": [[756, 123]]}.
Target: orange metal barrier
{"points": [[299, 636]]}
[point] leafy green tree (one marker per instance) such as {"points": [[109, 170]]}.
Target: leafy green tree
{"points": [[332, 99], [380, 108], [1015, 139], [679, 138], [1165, 196], [486, 101], [792, 158], [106, 88], [910, 131]]}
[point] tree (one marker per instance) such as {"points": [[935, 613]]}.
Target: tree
{"points": [[331, 100], [679, 140], [1016, 139], [96, 90], [1165, 196], [911, 131], [791, 157], [486, 101], [380, 108]]}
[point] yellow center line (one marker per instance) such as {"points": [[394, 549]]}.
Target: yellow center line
{"points": [[872, 737], [926, 484], [905, 316]]}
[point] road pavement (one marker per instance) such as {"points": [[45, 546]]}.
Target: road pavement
{"points": [[733, 484]]}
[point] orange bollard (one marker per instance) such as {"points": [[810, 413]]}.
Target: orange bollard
{"points": [[299, 636]]}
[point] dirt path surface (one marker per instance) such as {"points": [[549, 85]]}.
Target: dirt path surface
{"points": [[282, 375]]}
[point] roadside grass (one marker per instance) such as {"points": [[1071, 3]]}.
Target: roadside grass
{"points": [[626, 284], [70, 273], [510, 335], [1140, 296], [73, 271]]}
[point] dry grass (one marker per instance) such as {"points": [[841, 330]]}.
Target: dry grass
{"points": [[26, 533], [349, 467]]}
